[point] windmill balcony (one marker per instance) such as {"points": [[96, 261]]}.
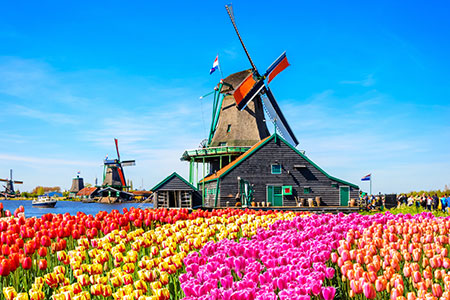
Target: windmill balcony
{"points": [[198, 154]]}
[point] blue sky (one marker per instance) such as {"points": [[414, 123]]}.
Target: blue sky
{"points": [[367, 91]]}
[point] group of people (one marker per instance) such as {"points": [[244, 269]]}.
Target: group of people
{"points": [[372, 202], [429, 202]]}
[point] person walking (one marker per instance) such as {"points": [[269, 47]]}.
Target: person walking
{"points": [[444, 202], [429, 202], [435, 202]]}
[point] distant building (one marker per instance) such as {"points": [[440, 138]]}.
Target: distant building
{"points": [[87, 193], [175, 192], [77, 185]]}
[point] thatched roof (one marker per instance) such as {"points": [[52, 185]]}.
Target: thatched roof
{"points": [[239, 128], [234, 80]]}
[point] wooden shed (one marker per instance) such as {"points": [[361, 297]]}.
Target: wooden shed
{"points": [[175, 192], [275, 173]]}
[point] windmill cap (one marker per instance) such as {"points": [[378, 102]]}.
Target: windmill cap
{"points": [[233, 80]]}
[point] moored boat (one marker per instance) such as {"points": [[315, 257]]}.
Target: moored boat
{"points": [[44, 201]]}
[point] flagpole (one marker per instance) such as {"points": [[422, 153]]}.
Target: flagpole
{"points": [[370, 184]]}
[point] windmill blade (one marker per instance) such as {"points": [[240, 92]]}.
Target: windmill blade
{"points": [[18, 182], [4, 180], [231, 15], [122, 176], [117, 148], [247, 94], [276, 67], [128, 163], [110, 162], [277, 117]]}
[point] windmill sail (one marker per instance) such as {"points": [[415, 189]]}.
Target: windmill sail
{"points": [[250, 95], [276, 67], [113, 173], [277, 117], [128, 163]]}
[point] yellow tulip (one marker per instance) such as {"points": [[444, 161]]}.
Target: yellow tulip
{"points": [[36, 295], [9, 292]]}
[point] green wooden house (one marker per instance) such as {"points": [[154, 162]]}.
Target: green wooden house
{"points": [[277, 174]]}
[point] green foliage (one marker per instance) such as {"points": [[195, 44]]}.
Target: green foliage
{"points": [[440, 193], [25, 195], [40, 191], [413, 210]]}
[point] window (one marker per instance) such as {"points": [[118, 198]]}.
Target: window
{"points": [[222, 144], [229, 128], [276, 169], [306, 190]]}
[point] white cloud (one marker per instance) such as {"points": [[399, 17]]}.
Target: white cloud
{"points": [[366, 82]]}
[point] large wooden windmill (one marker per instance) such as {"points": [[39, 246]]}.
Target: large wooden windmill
{"points": [[238, 120], [9, 187], [113, 174]]}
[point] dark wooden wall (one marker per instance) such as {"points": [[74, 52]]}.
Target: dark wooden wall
{"points": [[257, 170], [174, 184]]}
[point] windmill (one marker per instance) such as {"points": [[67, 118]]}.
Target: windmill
{"points": [[256, 85], [113, 174], [238, 120], [9, 187]]}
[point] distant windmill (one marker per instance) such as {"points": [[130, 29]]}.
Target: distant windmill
{"points": [[9, 187], [255, 85], [113, 174]]}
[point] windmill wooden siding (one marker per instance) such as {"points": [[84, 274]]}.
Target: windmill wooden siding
{"points": [[296, 171], [175, 192]]}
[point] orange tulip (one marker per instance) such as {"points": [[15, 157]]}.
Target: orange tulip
{"points": [[437, 290], [411, 296], [417, 277]]}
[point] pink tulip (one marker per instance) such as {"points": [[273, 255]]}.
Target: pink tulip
{"points": [[369, 291], [328, 293]]}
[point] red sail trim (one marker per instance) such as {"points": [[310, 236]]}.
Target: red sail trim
{"points": [[280, 67], [243, 88], [122, 178]]}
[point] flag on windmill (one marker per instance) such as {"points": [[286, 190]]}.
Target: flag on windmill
{"points": [[215, 65], [366, 178]]}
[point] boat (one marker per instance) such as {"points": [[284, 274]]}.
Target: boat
{"points": [[44, 201]]}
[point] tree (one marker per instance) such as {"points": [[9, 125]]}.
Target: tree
{"points": [[40, 191]]}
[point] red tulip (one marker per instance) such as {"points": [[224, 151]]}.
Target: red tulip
{"points": [[76, 234], [42, 251], [5, 250], [45, 241], [4, 267], [42, 264], [26, 263]]}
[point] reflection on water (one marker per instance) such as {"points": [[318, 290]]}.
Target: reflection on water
{"points": [[70, 207]]}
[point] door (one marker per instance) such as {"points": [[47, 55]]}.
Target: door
{"points": [[274, 195], [344, 195]]}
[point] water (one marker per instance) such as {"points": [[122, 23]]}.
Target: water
{"points": [[70, 207]]}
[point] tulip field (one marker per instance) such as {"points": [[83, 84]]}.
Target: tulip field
{"points": [[224, 254]]}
